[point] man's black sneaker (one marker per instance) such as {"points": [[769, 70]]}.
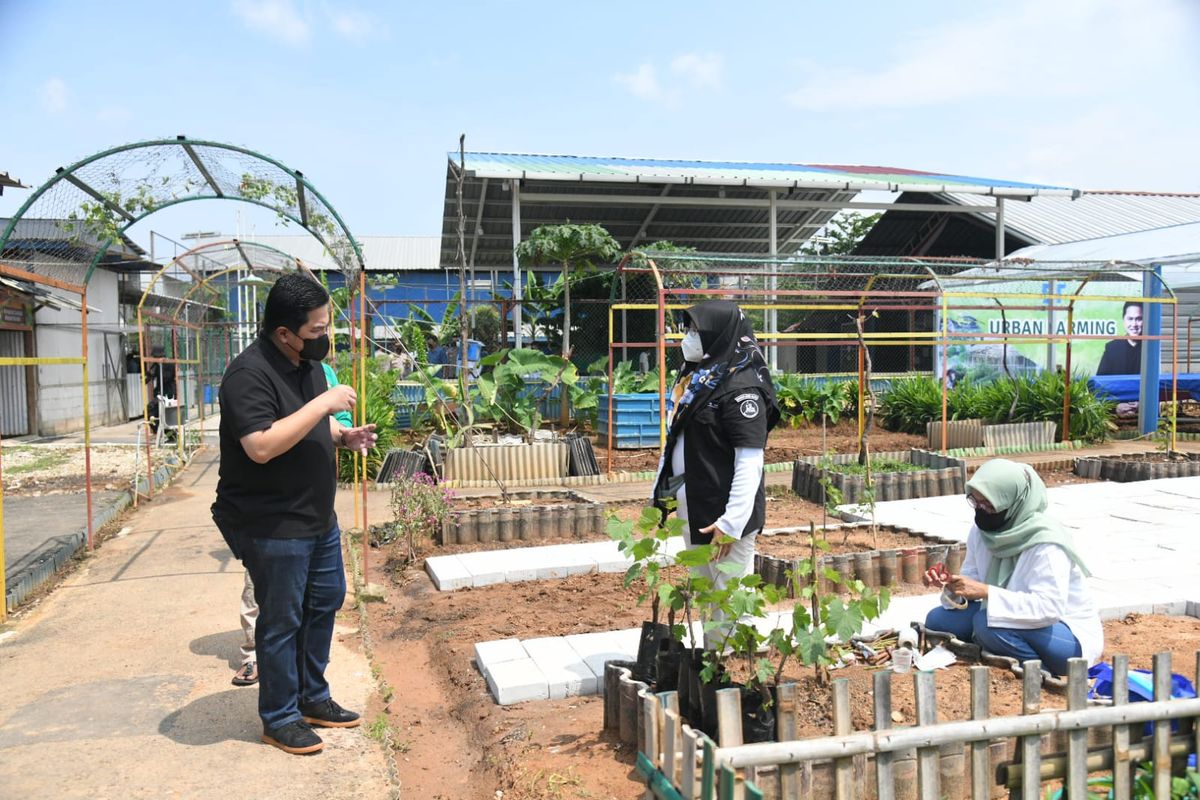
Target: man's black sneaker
{"points": [[295, 737], [328, 714]]}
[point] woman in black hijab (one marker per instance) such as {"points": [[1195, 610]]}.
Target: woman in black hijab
{"points": [[720, 411]]}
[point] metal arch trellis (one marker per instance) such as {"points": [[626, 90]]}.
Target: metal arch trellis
{"points": [[72, 220], [106, 193], [198, 273], [658, 282]]}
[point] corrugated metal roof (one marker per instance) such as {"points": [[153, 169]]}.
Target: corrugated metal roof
{"points": [[381, 253], [1171, 244], [1055, 220], [6, 181], [729, 173]]}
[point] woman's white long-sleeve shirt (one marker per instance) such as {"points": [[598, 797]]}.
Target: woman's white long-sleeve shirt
{"points": [[1046, 587]]}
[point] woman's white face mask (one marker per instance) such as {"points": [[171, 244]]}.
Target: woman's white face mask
{"points": [[693, 349]]}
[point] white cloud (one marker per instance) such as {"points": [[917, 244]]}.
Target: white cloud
{"points": [[689, 72], [1026, 50], [643, 83], [279, 19], [701, 71], [353, 24], [53, 95]]}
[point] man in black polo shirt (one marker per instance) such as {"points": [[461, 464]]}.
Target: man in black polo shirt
{"points": [[275, 506]]}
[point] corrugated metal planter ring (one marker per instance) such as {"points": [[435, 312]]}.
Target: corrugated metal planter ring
{"points": [[942, 475], [1138, 467], [509, 462], [526, 520]]}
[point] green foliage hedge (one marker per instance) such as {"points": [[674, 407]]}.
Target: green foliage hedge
{"points": [[911, 402]]}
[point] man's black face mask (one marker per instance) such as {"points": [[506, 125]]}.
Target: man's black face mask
{"points": [[314, 349]]}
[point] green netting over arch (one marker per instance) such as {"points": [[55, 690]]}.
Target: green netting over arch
{"points": [[76, 216]]}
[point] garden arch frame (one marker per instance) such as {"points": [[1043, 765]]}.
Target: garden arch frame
{"points": [[187, 317], [97, 199]]}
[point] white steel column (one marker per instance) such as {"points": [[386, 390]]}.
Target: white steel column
{"points": [[516, 240], [772, 314]]}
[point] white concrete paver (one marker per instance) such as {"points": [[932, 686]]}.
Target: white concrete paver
{"points": [[487, 567], [517, 681], [567, 674], [448, 573]]}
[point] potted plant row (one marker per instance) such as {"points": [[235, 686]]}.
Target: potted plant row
{"points": [[668, 658]]}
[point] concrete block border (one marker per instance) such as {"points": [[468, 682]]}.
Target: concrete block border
{"points": [[1138, 467], [942, 475]]}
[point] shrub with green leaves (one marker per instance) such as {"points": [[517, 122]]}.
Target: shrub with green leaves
{"points": [[380, 383], [504, 395], [803, 400], [911, 402]]}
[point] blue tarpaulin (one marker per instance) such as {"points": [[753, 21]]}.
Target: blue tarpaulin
{"points": [[1124, 388]]}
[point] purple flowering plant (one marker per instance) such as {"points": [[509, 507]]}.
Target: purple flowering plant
{"points": [[419, 507]]}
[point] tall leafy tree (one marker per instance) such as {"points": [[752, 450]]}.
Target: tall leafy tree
{"points": [[572, 247], [842, 234]]}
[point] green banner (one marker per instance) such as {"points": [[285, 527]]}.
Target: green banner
{"points": [[984, 359]]}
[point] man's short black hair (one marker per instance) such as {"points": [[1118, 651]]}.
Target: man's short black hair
{"points": [[290, 300], [1135, 304]]}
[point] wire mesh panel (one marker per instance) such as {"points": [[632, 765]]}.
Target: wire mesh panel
{"points": [[85, 208]]}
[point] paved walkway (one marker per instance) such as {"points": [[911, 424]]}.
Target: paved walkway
{"points": [[117, 685]]}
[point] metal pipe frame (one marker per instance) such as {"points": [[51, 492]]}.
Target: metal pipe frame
{"points": [[31, 277]]}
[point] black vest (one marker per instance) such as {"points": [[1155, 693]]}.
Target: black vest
{"points": [[734, 419]]}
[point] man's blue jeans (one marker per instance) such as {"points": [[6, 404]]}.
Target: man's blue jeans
{"points": [[1052, 645], [299, 585]]}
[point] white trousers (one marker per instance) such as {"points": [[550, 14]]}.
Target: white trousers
{"points": [[248, 616], [740, 554]]}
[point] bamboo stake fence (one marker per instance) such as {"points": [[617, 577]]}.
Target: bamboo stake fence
{"points": [[983, 757]]}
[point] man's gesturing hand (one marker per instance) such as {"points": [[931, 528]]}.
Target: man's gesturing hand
{"points": [[361, 439], [339, 398]]}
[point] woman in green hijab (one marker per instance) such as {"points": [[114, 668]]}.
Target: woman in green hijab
{"points": [[1021, 592]]}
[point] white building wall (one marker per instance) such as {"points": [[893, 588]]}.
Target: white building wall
{"points": [[58, 335]]}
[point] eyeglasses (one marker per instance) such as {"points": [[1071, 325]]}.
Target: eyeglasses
{"points": [[979, 505]]}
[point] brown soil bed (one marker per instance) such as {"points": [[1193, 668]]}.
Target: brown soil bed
{"points": [[492, 501], [453, 741], [849, 540]]}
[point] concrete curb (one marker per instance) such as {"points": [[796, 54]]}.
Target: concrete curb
{"points": [[23, 584]]}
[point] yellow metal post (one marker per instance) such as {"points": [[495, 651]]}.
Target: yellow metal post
{"points": [[945, 368], [361, 408]]}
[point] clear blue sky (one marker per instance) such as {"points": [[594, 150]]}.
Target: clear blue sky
{"points": [[367, 97]]}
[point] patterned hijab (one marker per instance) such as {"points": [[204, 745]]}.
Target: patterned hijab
{"points": [[1019, 490], [732, 361]]}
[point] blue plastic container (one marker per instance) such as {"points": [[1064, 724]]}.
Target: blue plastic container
{"points": [[636, 421]]}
